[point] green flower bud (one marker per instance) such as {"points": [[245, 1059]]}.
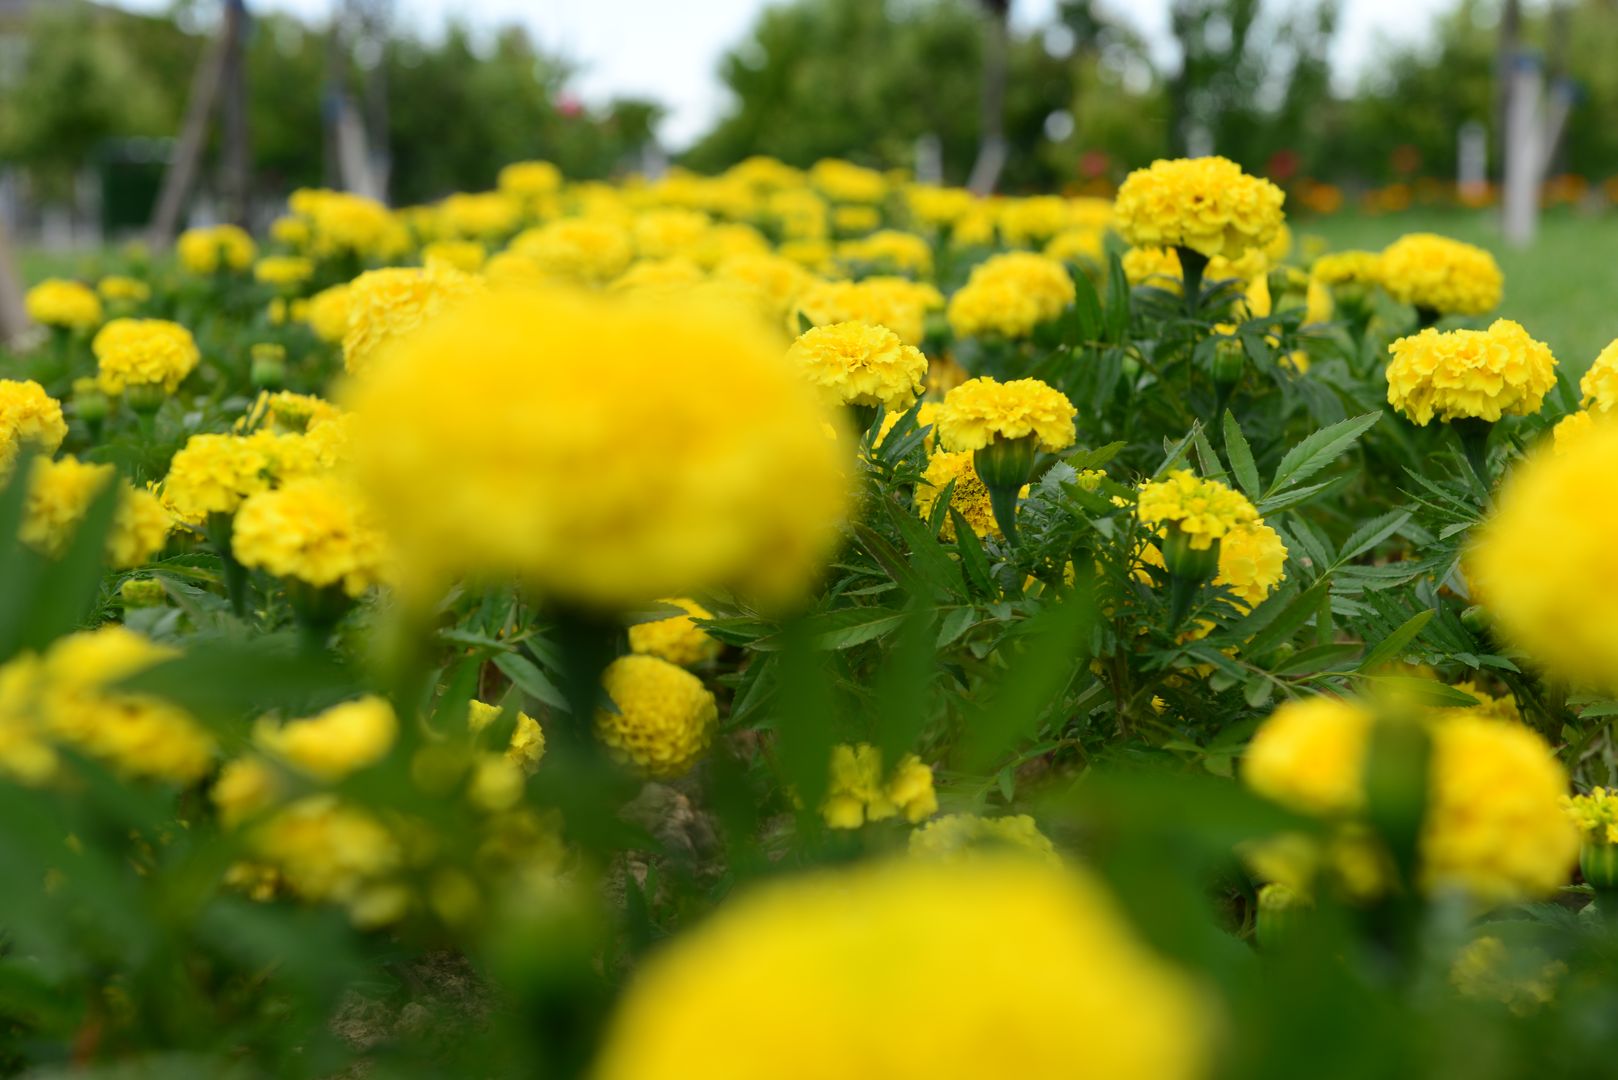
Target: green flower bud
{"points": [[1004, 466], [1280, 910], [145, 397], [90, 402], [1598, 862], [269, 368], [142, 593]]}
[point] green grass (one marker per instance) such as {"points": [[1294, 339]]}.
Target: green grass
{"points": [[1560, 289]]}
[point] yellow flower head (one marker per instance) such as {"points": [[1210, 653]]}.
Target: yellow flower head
{"points": [[59, 496], [467, 256], [527, 743], [897, 303], [957, 836], [1443, 275], [327, 313], [481, 215], [934, 207], [1206, 204], [1310, 755], [143, 353], [1041, 977], [1595, 814], [530, 179], [1458, 374], [970, 495], [1009, 295], [607, 452], [69, 305], [857, 364], [1205, 510], [215, 248], [387, 305], [1031, 221], [983, 410], [334, 743], [136, 734], [326, 850], [1599, 386], [889, 250], [1252, 562], [1495, 827], [29, 417], [676, 638], [121, 289], [845, 182], [1077, 245], [665, 717], [584, 250], [213, 473], [1362, 268], [775, 279], [662, 234], [1545, 566], [283, 271], [316, 530], [340, 223], [859, 792]]}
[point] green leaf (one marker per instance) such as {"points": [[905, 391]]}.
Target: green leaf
{"points": [[527, 677], [1424, 691], [1372, 533], [1212, 467], [1393, 645], [843, 629], [1319, 450], [1241, 457], [1081, 460], [1317, 658], [973, 561]]}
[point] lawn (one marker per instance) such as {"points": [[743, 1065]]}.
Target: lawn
{"points": [[1557, 289]]}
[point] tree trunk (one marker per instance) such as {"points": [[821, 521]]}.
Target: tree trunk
{"points": [[236, 164], [991, 157], [182, 170]]}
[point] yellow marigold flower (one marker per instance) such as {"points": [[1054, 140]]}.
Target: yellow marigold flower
{"points": [[58, 302], [899, 304], [934, 207], [327, 313], [467, 256], [1205, 510], [1362, 268], [969, 495], [316, 530], [326, 850], [954, 836], [665, 717], [341, 223], [1160, 268], [857, 364], [1310, 755], [138, 353], [677, 638], [30, 418], [285, 411], [246, 786], [59, 495], [1042, 978], [1458, 374], [607, 452], [1599, 386], [283, 271], [387, 305], [215, 248], [482, 215], [1545, 565], [137, 734], [1570, 429], [336, 742], [845, 182], [980, 411], [890, 250], [585, 250], [976, 227], [1495, 826], [660, 234], [1252, 562], [1009, 295], [530, 179], [27, 755], [654, 277], [1595, 815], [527, 743], [1441, 275], [1031, 221], [1077, 245], [1206, 204], [121, 289], [294, 232], [859, 792], [776, 279]]}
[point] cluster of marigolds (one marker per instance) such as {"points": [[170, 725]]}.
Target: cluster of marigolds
{"points": [[625, 397]]}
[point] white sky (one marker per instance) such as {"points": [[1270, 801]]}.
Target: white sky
{"points": [[669, 50]]}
